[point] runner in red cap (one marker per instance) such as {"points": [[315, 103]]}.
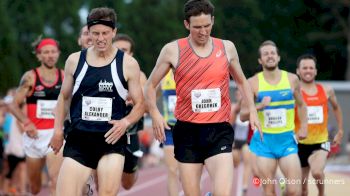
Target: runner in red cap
{"points": [[39, 88]]}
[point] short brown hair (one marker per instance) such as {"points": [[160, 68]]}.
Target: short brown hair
{"points": [[306, 56], [267, 43], [102, 13], [197, 7], [125, 37]]}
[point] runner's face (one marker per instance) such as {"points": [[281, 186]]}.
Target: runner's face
{"points": [[102, 36], [124, 46], [48, 56], [85, 39], [200, 28], [269, 57], [307, 70]]}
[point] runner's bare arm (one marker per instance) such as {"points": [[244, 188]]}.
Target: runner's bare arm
{"points": [[131, 71], [302, 110], [242, 84], [25, 87], [63, 100], [338, 114], [162, 67], [65, 95], [2, 113], [133, 77], [143, 80]]}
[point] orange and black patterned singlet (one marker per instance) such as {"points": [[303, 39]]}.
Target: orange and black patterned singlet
{"points": [[202, 84], [317, 113]]}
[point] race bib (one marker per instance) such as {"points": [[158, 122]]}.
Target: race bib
{"points": [[315, 114], [171, 103], [45, 109], [96, 109], [275, 118], [206, 100]]}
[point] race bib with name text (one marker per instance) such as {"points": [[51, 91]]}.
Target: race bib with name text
{"points": [[206, 100], [96, 109]]}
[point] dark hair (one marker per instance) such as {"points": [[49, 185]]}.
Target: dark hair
{"points": [[267, 43], [197, 7], [102, 13], [125, 37], [306, 56]]}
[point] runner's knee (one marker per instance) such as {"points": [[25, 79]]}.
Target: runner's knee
{"points": [[317, 174], [172, 170], [294, 190]]}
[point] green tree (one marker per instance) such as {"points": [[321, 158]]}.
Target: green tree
{"points": [[279, 25], [317, 26], [8, 49], [24, 21], [238, 22], [151, 24], [332, 32], [307, 27]]}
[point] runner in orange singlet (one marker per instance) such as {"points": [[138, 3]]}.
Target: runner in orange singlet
{"points": [[202, 66], [314, 149]]}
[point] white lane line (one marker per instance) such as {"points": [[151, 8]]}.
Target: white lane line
{"points": [[144, 185]]}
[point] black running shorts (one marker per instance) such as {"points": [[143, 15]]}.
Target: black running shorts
{"points": [[87, 148], [194, 142], [305, 151]]}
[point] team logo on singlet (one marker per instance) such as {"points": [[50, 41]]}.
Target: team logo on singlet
{"points": [[104, 86], [39, 91], [284, 93], [39, 88], [218, 54]]}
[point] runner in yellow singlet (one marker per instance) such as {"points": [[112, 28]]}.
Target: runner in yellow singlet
{"points": [[279, 145]]}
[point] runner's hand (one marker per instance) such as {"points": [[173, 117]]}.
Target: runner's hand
{"points": [[302, 134], [255, 123], [338, 138], [30, 130], [56, 142], [117, 131], [266, 101], [159, 124]]}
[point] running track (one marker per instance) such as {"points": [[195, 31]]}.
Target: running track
{"points": [[152, 182]]}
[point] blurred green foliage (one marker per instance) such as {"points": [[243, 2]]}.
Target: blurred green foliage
{"points": [[320, 27]]}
